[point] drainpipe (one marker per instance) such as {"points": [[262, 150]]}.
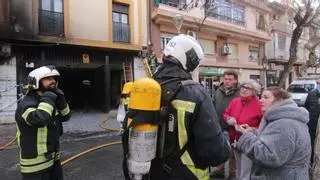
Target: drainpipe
{"points": [[150, 44]]}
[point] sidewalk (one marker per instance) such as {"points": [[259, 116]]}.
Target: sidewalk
{"points": [[89, 122], [80, 124]]}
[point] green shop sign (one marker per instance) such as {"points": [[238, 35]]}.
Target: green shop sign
{"points": [[212, 71]]}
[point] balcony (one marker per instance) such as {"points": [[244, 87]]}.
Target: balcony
{"points": [[261, 4], [51, 23], [174, 3], [280, 26], [226, 18], [121, 32]]}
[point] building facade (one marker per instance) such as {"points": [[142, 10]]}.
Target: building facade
{"points": [[277, 50], [94, 44], [233, 35], [315, 43]]}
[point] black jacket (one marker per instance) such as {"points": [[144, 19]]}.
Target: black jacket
{"points": [[313, 106], [38, 130], [207, 146], [221, 100]]}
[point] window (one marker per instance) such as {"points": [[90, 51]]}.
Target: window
{"points": [[281, 42], [121, 26], [51, 18], [255, 77], [253, 53], [234, 52], [261, 24], [52, 5], [208, 46], [164, 39], [226, 11], [276, 17]]}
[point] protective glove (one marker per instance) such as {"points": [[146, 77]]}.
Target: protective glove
{"points": [[231, 121], [61, 100], [49, 97], [58, 91]]}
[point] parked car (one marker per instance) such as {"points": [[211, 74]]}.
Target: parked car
{"points": [[299, 90]]}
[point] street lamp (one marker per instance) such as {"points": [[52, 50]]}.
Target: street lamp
{"points": [[178, 21]]}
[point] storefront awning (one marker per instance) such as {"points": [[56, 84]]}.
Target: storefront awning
{"points": [[211, 71]]}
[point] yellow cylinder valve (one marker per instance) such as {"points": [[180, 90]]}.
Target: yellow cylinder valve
{"points": [[125, 92]]}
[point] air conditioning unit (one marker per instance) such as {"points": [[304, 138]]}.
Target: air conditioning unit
{"points": [[227, 49], [192, 33]]}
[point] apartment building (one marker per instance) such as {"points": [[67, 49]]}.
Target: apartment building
{"points": [[315, 42], [277, 50], [94, 44], [233, 35]]}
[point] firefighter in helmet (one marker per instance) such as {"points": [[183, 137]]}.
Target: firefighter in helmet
{"points": [[39, 118], [190, 139]]}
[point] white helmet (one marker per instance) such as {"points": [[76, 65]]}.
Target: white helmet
{"points": [[36, 75], [186, 50]]}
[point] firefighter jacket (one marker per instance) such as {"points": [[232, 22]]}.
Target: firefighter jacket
{"points": [[193, 139], [38, 131]]}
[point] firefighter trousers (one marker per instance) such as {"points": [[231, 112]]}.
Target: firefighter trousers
{"points": [[54, 173]]}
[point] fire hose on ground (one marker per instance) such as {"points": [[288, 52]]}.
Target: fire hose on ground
{"points": [[8, 144], [103, 126], [88, 151]]}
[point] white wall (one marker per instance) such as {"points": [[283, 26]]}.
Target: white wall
{"points": [[8, 79], [89, 19], [138, 68]]}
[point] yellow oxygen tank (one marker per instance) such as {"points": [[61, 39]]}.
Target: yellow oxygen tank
{"points": [[145, 98]]}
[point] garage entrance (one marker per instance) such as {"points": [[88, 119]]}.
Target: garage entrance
{"points": [[83, 87]]}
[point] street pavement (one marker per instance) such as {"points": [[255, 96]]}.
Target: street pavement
{"points": [[82, 132]]}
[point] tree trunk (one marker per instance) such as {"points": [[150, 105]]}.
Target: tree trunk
{"points": [[293, 56]]}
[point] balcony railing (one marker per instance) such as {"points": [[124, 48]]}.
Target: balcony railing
{"points": [[51, 23], [121, 32], [174, 3], [226, 18], [284, 27]]}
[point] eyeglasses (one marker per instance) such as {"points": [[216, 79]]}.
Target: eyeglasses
{"points": [[245, 88]]}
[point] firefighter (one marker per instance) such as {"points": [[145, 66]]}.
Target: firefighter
{"points": [[189, 136], [39, 118]]}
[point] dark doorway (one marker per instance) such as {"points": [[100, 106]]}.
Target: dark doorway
{"points": [[116, 80], [83, 88]]}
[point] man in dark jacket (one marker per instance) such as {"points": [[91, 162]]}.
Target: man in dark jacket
{"points": [[39, 118], [190, 138], [312, 104], [221, 99]]}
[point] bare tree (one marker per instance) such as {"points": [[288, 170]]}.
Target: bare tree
{"points": [[206, 5], [306, 11]]}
